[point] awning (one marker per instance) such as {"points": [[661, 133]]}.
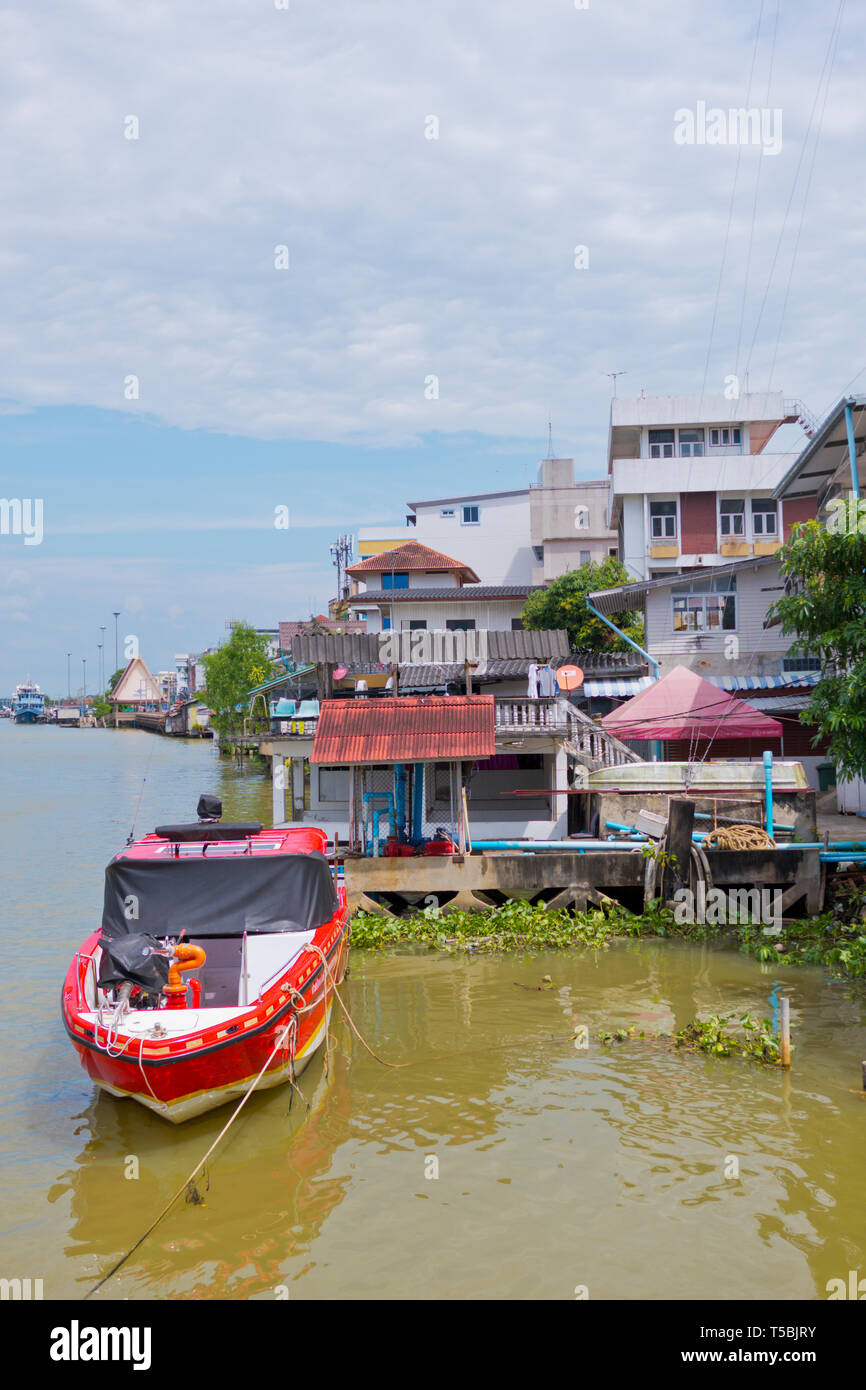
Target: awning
{"points": [[625, 685], [684, 705], [766, 682]]}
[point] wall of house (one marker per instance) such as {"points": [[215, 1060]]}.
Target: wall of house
{"points": [[755, 650], [498, 548], [494, 615]]}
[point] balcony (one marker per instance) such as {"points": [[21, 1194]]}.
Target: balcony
{"points": [[522, 715]]}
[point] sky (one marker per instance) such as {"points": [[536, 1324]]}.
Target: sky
{"points": [[277, 253]]}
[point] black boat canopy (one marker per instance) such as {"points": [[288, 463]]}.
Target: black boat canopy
{"points": [[218, 897]]}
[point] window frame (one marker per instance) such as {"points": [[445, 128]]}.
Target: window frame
{"points": [[662, 444], [672, 517], [756, 510], [470, 507], [732, 535], [700, 596]]}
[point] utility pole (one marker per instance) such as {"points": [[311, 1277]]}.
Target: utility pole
{"points": [[101, 671], [68, 676], [116, 616], [84, 677], [341, 553], [102, 661]]}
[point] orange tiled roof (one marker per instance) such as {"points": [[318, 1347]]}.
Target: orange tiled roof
{"points": [[412, 556]]}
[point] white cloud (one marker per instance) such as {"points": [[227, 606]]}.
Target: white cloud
{"points": [[409, 256]]}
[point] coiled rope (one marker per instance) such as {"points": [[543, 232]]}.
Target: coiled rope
{"points": [[739, 837]]}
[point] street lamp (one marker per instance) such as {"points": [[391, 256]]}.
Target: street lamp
{"points": [[116, 616], [68, 676], [101, 671], [102, 661], [84, 669]]}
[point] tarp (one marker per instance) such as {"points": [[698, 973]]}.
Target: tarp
{"points": [[218, 897], [684, 705]]}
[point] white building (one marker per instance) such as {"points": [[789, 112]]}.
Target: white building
{"points": [[415, 588], [491, 529], [692, 480]]}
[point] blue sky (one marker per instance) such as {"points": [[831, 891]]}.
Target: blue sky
{"points": [[260, 128]]}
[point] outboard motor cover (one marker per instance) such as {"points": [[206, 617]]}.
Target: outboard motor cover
{"points": [[209, 807], [140, 959]]}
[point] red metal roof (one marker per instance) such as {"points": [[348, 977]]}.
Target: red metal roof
{"points": [[405, 729], [412, 556]]}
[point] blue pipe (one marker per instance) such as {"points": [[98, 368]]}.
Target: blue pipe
{"points": [[768, 789], [852, 452], [653, 664], [400, 777], [418, 801]]}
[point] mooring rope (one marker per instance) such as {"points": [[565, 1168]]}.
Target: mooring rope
{"points": [[202, 1161]]}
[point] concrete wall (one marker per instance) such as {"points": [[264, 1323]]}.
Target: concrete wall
{"points": [[498, 548]]}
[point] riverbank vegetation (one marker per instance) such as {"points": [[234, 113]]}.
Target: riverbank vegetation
{"points": [[836, 939]]}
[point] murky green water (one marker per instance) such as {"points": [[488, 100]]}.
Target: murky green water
{"points": [[556, 1167]]}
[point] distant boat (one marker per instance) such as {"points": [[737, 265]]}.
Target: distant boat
{"points": [[28, 704], [5, 711]]}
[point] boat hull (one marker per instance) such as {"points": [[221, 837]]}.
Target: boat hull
{"points": [[187, 1075]]}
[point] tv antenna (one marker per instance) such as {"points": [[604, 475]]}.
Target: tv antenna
{"points": [[613, 376]]}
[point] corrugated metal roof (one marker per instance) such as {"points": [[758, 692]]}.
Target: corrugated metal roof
{"points": [[365, 650], [427, 729], [338, 649]]}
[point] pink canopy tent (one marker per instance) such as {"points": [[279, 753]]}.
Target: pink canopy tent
{"points": [[684, 705]]}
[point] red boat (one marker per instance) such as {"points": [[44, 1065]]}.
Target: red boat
{"points": [[218, 954]]}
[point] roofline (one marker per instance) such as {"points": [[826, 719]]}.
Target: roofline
{"points": [[815, 445], [468, 497], [464, 593]]}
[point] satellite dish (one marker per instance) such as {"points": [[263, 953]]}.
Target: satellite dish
{"points": [[569, 677], [340, 673]]}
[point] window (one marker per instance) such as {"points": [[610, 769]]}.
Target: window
{"points": [[581, 517], [386, 624], [538, 552], [362, 617], [661, 444], [732, 516], [725, 437], [613, 552], [417, 625], [764, 517], [470, 516], [663, 521], [705, 605], [447, 511], [802, 663], [460, 624], [395, 581], [691, 443], [516, 624], [585, 557]]}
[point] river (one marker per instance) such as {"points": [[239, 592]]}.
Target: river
{"points": [[503, 1162]]}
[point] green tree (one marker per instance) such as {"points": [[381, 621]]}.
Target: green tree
{"points": [[100, 707], [825, 609], [115, 678], [562, 606], [230, 672]]}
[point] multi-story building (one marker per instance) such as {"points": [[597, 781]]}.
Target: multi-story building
{"points": [[691, 479], [490, 528], [568, 521]]}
